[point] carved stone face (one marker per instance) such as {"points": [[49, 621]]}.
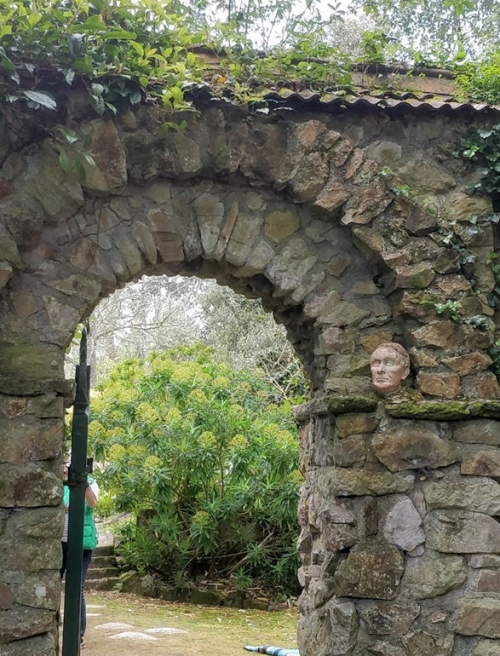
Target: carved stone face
{"points": [[389, 368]]}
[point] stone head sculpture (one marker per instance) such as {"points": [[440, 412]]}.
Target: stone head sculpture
{"points": [[390, 365]]}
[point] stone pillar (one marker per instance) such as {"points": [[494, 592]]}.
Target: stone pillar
{"points": [[400, 541], [31, 439]]}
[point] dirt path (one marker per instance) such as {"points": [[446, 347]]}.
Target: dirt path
{"points": [[127, 625]]}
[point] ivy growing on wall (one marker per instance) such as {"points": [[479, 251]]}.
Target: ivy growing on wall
{"points": [[482, 147]]}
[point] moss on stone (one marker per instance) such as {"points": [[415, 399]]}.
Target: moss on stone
{"points": [[338, 405], [443, 410]]}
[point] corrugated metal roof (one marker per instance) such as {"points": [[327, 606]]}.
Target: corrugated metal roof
{"points": [[372, 87], [406, 101]]}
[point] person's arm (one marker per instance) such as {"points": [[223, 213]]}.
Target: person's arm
{"points": [[92, 495]]}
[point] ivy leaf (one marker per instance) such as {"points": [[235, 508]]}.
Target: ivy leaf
{"points": [[135, 98], [69, 76], [42, 98], [97, 103], [65, 162], [80, 169]]}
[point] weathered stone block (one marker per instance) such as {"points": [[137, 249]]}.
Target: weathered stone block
{"points": [[188, 158], [39, 645], [424, 176], [309, 177], [482, 385], [331, 199], [422, 643], [372, 570], [245, 232], [358, 482], [446, 386], [479, 617], [464, 365], [26, 439], [145, 242], [28, 486], [350, 451], [365, 206], [31, 362], [417, 276], [484, 560], [23, 622], [210, 214], [6, 597], [287, 269], [258, 259], [402, 525], [329, 631], [420, 223], [413, 445], [110, 172], [40, 589], [488, 581], [459, 531], [31, 540], [487, 648], [481, 463], [480, 431], [436, 334], [355, 424], [475, 494], [433, 575], [387, 618], [279, 225]]}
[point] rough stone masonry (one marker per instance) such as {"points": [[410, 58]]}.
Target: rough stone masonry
{"points": [[340, 221]]}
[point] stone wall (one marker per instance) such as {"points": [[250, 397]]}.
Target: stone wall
{"points": [[400, 533], [352, 228]]}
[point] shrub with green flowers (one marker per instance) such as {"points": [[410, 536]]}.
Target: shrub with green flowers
{"points": [[205, 463]]}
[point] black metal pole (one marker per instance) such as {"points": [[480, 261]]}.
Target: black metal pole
{"points": [[77, 482]]}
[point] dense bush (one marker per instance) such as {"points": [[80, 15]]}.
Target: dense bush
{"points": [[205, 463]]}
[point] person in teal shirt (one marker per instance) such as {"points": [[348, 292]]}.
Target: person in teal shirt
{"points": [[89, 541]]}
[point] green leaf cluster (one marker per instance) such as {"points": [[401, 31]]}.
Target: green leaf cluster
{"points": [[122, 52], [205, 463], [482, 147], [481, 80]]}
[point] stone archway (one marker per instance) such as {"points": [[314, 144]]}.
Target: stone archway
{"points": [[339, 223]]}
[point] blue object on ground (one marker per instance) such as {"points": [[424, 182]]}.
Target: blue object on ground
{"points": [[274, 651]]}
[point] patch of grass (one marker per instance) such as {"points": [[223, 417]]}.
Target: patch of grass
{"points": [[210, 630]]}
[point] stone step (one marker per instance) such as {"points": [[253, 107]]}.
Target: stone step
{"points": [[102, 584], [102, 572], [107, 550], [102, 561]]}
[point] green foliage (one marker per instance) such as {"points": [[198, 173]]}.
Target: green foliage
{"points": [[124, 52], [482, 147], [205, 464], [449, 309], [481, 80], [436, 32], [121, 52], [246, 337], [494, 296]]}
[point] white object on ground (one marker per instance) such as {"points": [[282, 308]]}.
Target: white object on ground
{"points": [[132, 635], [114, 626]]}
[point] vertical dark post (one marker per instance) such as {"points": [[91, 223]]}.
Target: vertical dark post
{"points": [[77, 482]]}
